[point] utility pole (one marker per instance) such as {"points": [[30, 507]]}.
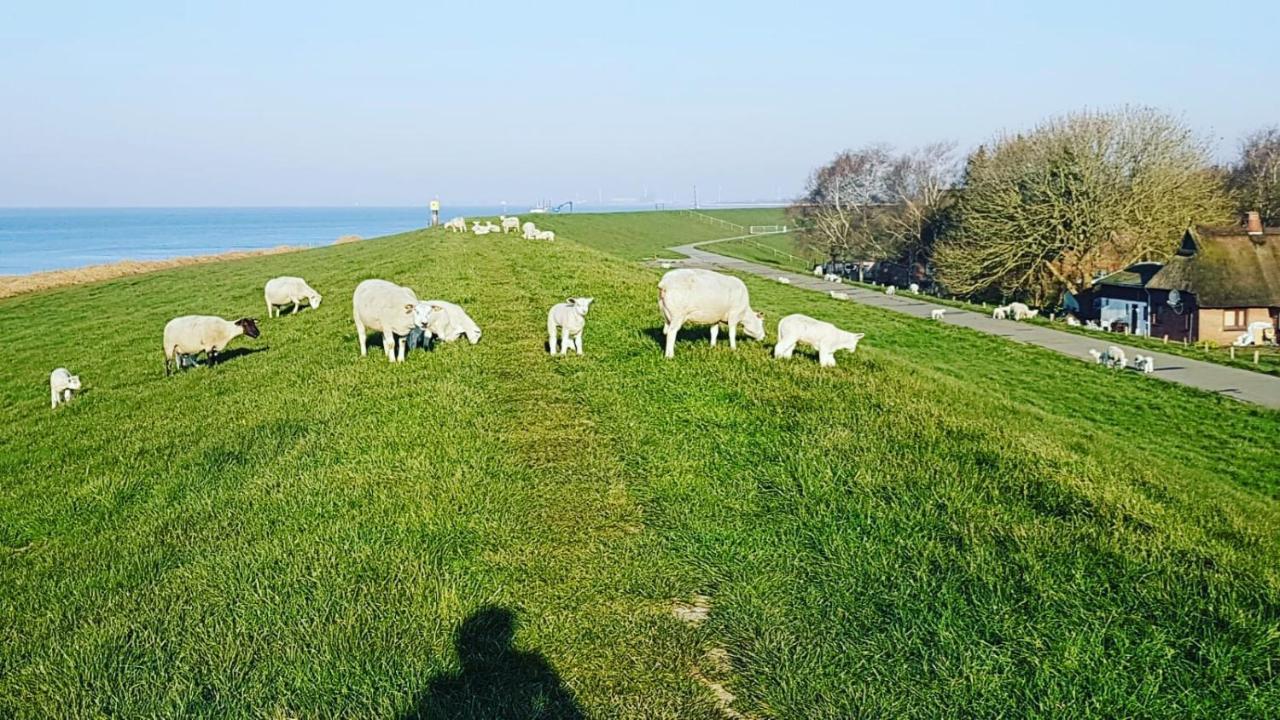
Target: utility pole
{"points": [[695, 196]]}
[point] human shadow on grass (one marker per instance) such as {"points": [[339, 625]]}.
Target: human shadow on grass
{"points": [[497, 680]]}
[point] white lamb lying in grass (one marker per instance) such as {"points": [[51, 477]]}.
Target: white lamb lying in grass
{"points": [[822, 336], [837, 295], [570, 317], [783, 280], [445, 321], [937, 313], [832, 277], [545, 235], [62, 384]]}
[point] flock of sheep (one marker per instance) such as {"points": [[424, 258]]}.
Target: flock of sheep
{"points": [[505, 224]]}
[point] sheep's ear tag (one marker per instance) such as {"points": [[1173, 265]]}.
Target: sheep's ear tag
{"points": [[408, 307]]}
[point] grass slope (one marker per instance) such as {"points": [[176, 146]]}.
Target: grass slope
{"points": [[947, 524]]}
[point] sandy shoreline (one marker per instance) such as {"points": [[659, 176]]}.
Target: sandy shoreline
{"points": [[11, 285]]}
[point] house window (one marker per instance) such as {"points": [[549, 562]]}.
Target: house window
{"points": [[1233, 319]]}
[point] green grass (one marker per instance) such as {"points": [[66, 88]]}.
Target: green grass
{"points": [[777, 250], [750, 216], [946, 525], [641, 235]]}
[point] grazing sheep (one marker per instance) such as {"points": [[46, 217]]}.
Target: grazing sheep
{"points": [[1000, 313], [457, 224], [914, 288], [1115, 357], [530, 231], [386, 308], [1092, 325], [194, 334], [288, 290], [822, 336], [510, 223], [446, 321], [783, 280], [1106, 325], [1144, 363], [545, 235], [937, 313], [837, 295], [1021, 312], [1096, 354], [706, 297], [817, 271], [890, 290], [570, 317], [62, 384]]}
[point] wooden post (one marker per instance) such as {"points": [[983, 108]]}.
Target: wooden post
{"points": [[1051, 317], [1184, 342], [1233, 352], [1255, 357], [1166, 339]]}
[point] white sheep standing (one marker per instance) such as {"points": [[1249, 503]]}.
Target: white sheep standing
{"points": [[510, 223], [1000, 313], [570, 317], [890, 290], [817, 271], [837, 295], [822, 336], [1096, 354], [288, 290], [783, 280], [937, 313], [208, 334], [914, 288], [1020, 311], [1115, 357], [62, 384], [458, 224], [386, 308], [446, 321], [1145, 363], [709, 298], [530, 231]]}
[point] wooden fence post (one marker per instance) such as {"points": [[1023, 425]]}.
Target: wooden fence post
{"points": [[1255, 357], [1233, 352]]}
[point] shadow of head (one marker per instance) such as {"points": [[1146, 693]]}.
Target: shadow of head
{"points": [[486, 637]]}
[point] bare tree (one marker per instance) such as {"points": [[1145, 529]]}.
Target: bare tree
{"points": [[919, 185], [1254, 179], [1088, 192]]}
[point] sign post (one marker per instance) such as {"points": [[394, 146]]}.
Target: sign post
{"points": [[435, 213]]}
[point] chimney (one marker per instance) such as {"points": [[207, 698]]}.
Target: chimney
{"points": [[1253, 222]]}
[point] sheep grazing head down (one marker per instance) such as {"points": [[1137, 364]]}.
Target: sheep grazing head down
{"points": [[250, 327], [582, 305], [315, 300], [753, 325]]}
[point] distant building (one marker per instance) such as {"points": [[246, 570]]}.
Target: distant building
{"points": [[1219, 283]]}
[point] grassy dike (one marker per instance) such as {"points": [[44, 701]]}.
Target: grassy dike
{"points": [[945, 525]]}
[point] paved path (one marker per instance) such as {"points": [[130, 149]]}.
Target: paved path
{"points": [[1232, 382]]}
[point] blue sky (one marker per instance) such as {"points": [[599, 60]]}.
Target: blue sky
{"points": [[391, 103]]}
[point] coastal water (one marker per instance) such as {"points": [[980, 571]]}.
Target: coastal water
{"points": [[35, 239]]}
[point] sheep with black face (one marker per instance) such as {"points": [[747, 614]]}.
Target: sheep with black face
{"points": [[190, 335]]}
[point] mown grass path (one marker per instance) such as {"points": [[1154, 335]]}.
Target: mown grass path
{"points": [[945, 524], [1214, 377]]}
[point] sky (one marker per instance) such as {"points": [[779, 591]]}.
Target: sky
{"points": [[394, 103]]}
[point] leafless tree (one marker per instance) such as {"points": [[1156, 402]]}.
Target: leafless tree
{"points": [[1254, 179]]}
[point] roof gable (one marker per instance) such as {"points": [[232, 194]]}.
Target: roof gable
{"points": [[1225, 267]]}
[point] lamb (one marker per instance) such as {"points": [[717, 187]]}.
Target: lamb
{"points": [[914, 288], [194, 334], [1092, 325], [817, 271], [289, 290], [837, 295], [530, 231], [1021, 312], [1144, 363], [937, 313], [545, 235], [706, 297], [1073, 321], [890, 290], [491, 227], [570, 317], [832, 277], [446, 321], [457, 224], [510, 223], [62, 385], [1115, 357], [479, 228], [386, 308], [784, 281], [822, 336], [1000, 313], [1096, 354]]}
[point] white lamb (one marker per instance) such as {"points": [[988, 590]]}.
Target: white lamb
{"points": [[570, 317], [190, 335], [914, 288], [493, 228], [386, 308], [446, 321], [1115, 357], [510, 223], [1096, 354], [1144, 363], [837, 295], [1021, 312], [822, 336], [817, 271], [62, 385], [457, 224], [784, 281], [709, 298], [1000, 313], [289, 290], [545, 235], [890, 290], [832, 277], [530, 231], [937, 313], [1073, 321]]}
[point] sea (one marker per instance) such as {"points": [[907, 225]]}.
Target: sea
{"points": [[36, 239]]}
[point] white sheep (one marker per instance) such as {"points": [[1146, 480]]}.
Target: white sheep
{"points": [[190, 335], [1073, 321], [817, 271], [832, 277], [1144, 363], [783, 280], [822, 336], [1021, 312], [1096, 354], [1115, 357], [1092, 325], [937, 313], [458, 224], [479, 228], [386, 308], [706, 297], [890, 290], [1000, 313], [570, 317], [288, 290], [530, 231], [493, 228], [510, 223], [837, 295], [545, 235], [446, 321], [914, 288], [62, 385]]}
